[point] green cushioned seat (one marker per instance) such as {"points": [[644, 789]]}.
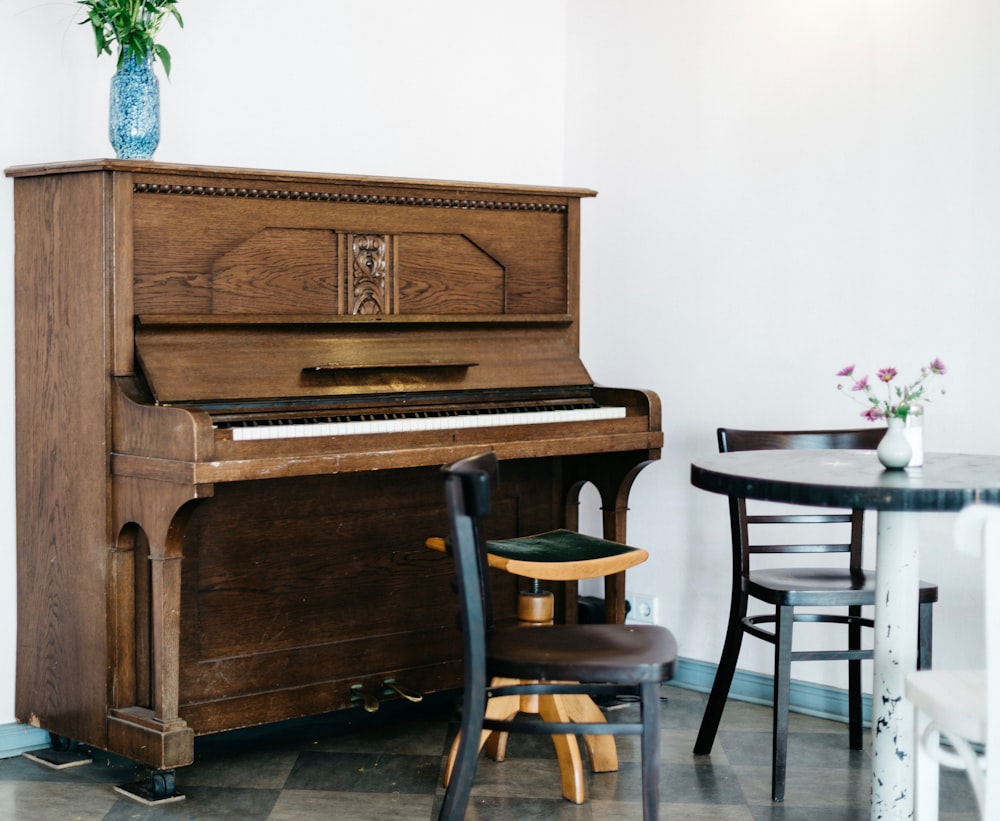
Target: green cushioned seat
{"points": [[557, 546]]}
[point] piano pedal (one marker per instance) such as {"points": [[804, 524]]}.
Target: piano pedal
{"points": [[156, 789], [364, 696], [393, 686]]}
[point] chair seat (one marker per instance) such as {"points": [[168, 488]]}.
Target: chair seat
{"points": [[818, 586], [587, 652], [955, 700], [563, 555], [557, 555]]}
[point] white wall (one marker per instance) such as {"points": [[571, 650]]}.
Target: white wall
{"points": [[785, 187]]}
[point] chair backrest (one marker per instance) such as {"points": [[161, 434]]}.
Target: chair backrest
{"points": [[468, 485], [731, 440]]}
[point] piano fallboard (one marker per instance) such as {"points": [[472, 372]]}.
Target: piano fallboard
{"points": [[214, 362]]}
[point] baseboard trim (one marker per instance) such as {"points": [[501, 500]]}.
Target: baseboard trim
{"points": [[817, 700], [17, 738]]}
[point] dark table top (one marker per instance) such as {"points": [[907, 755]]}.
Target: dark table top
{"points": [[851, 479]]}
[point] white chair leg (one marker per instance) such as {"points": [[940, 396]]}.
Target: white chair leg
{"points": [[926, 769], [974, 765]]}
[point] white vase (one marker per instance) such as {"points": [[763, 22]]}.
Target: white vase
{"points": [[894, 451]]}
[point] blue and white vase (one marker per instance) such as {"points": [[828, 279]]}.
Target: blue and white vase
{"points": [[134, 121]]}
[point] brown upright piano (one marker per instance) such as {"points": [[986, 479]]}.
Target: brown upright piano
{"points": [[235, 389]]}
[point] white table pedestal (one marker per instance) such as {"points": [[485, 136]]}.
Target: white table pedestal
{"points": [[896, 614]]}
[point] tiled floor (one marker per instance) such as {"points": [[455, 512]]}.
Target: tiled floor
{"points": [[387, 766]]}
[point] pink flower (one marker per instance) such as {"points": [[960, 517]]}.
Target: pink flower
{"points": [[899, 400]]}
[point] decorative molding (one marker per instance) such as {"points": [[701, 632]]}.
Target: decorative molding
{"points": [[369, 274], [342, 196]]}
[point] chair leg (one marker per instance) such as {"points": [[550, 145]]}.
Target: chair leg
{"points": [[925, 636], [926, 770], [456, 797], [854, 717], [649, 700], [601, 749], [720, 687], [502, 708], [782, 689], [552, 708]]}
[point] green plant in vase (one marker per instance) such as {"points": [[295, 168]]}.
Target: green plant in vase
{"points": [[133, 25]]}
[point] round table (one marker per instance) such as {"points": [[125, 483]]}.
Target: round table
{"points": [[855, 479]]}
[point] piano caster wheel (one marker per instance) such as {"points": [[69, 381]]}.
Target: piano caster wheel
{"points": [[61, 754], [60, 743], [158, 787]]}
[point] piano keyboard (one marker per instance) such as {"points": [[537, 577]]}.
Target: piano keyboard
{"points": [[425, 420]]}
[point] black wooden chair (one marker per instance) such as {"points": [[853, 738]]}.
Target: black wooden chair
{"points": [[788, 588], [592, 659], [554, 556]]}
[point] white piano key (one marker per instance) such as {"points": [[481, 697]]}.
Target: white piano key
{"points": [[485, 420]]}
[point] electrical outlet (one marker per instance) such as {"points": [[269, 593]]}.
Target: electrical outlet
{"points": [[642, 608]]}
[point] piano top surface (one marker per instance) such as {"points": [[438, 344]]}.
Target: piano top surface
{"points": [[169, 170]]}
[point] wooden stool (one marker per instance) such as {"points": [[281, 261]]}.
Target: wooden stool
{"points": [[558, 555]]}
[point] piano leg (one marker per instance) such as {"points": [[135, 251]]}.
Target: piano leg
{"points": [[612, 475], [158, 787], [147, 727]]}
